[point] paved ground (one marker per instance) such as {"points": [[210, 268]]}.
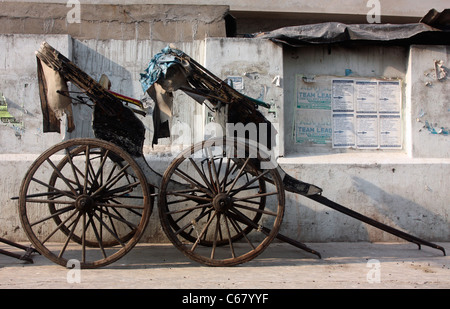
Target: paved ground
{"points": [[281, 266]]}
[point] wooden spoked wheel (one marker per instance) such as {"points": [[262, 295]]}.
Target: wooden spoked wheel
{"points": [[87, 200], [229, 210]]}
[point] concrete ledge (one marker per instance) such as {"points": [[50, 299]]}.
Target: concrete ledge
{"points": [[360, 158], [170, 23]]}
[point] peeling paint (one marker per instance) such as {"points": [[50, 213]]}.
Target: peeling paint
{"points": [[9, 120], [441, 72], [435, 129]]}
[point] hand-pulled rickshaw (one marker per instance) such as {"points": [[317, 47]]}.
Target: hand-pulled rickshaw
{"points": [[221, 201]]}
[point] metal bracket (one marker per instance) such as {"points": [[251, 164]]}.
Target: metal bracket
{"points": [[24, 257]]}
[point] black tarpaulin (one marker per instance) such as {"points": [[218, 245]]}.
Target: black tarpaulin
{"points": [[339, 33]]}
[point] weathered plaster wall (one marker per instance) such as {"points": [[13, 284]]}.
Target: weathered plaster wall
{"points": [[169, 23], [121, 61], [18, 82], [397, 188], [404, 188], [429, 68], [21, 143], [317, 61]]}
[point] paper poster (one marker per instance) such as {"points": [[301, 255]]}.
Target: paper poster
{"points": [[237, 82], [313, 93], [389, 97], [362, 113], [312, 117], [366, 96], [342, 97], [313, 127], [367, 131], [343, 130], [390, 132]]}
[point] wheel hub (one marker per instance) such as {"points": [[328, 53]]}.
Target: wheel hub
{"points": [[84, 203], [222, 202]]}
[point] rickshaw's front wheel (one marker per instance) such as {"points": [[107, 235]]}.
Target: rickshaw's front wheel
{"points": [[84, 201], [228, 208]]}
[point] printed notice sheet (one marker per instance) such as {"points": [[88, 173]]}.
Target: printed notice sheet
{"points": [[367, 131], [366, 96], [342, 100], [390, 132], [366, 114], [312, 127], [312, 117], [343, 130], [389, 97], [361, 113]]}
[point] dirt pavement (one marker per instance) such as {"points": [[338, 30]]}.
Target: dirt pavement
{"points": [[358, 265]]}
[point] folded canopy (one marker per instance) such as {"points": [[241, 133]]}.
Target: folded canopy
{"points": [[433, 29]]}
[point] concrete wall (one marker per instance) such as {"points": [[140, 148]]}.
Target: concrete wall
{"points": [[409, 8], [122, 61], [259, 64], [21, 143], [324, 61], [18, 82], [404, 188], [159, 22], [428, 90]]}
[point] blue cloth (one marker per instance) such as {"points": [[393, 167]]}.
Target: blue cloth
{"points": [[158, 65]]}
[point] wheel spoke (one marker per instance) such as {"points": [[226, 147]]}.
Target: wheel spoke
{"points": [[53, 215], [61, 176], [100, 168], [230, 242], [112, 181], [121, 206], [238, 229], [65, 193], [238, 175], [266, 212], [192, 181], [205, 180], [191, 197], [35, 200], [74, 224], [97, 236], [58, 227], [243, 187], [113, 234], [86, 169], [224, 179], [73, 167], [192, 222], [216, 231], [254, 196], [188, 208], [203, 232], [127, 188], [118, 218]]}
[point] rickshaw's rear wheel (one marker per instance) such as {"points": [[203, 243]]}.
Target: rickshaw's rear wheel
{"points": [[230, 210], [85, 200]]}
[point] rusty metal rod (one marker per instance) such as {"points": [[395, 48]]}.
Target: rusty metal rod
{"points": [[25, 257], [323, 200], [266, 231]]}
